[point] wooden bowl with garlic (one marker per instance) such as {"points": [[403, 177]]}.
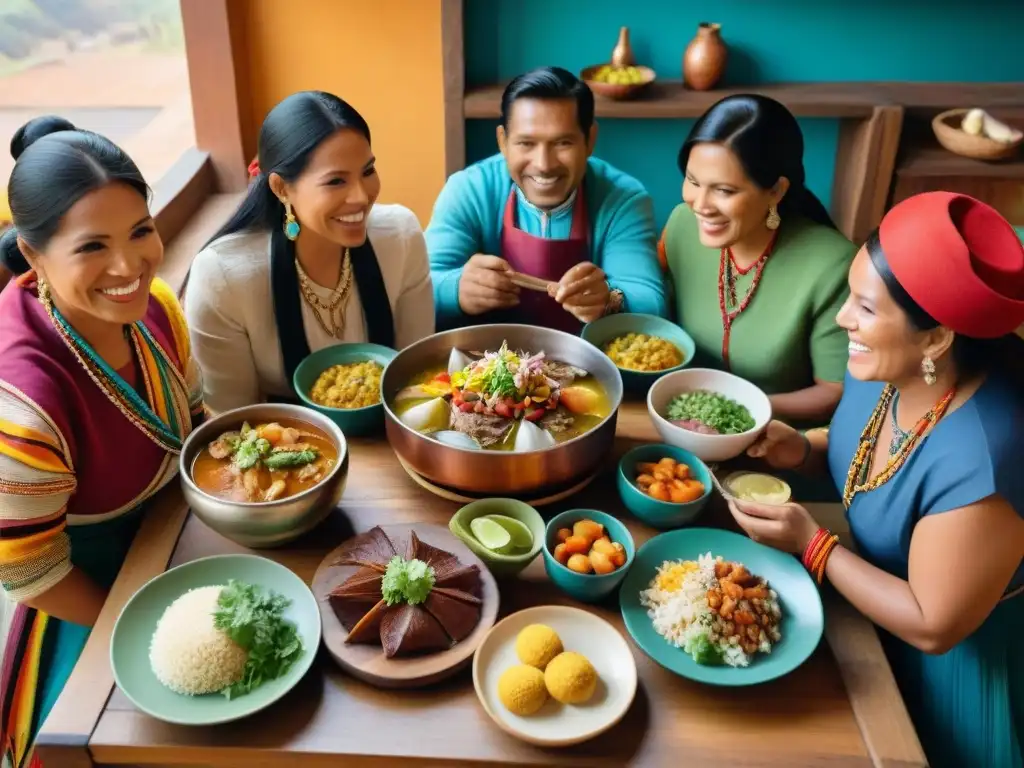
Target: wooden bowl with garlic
{"points": [[975, 133]]}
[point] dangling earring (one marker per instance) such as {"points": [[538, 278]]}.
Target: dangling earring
{"points": [[291, 226], [43, 289], [928, 369], [774, 220]]}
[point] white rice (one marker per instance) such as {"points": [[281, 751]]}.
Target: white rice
{"points": [[187, 653], [682, 616]]}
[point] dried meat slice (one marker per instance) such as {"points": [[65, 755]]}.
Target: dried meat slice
{"points": [[368, 628], [459, 618], [443, 563], [458, 594], [366, 582], [373, 547], [351, 610], [466, 578], [409, 629]]}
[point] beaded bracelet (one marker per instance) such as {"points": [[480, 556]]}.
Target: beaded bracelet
{"points": [[817, 552], [812, 546]]}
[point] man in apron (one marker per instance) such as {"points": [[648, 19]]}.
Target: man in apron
{"points": [[544, 208]]}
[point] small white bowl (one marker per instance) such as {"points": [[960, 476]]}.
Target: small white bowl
{"points": [[559, 725], [708, 447]]}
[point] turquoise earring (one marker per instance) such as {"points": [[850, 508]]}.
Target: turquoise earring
{"points": [[291, 225]]}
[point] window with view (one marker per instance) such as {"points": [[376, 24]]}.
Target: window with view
{"points": [[116, 67]]}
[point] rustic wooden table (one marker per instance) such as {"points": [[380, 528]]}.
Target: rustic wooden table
{"points": [[841, 708]]}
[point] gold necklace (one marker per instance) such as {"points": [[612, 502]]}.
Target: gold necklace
{"points": [[332, 309]]}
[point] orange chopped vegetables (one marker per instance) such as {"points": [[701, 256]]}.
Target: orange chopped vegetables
{"points": [[668, 480], [586, 548]]}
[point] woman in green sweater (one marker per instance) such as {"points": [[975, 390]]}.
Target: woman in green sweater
{"points": [[758, 267]]}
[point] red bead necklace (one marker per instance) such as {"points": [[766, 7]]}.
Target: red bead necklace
{"points": [[727, 290]]}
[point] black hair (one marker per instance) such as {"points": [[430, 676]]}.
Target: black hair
{"points": [[971, 355], [768, 141], [55, 166], [290, 134], [550, 83]]}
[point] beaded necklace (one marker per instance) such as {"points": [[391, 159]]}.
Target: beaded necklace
{"points": [[860, 466], [727, 290], [165, 387]]}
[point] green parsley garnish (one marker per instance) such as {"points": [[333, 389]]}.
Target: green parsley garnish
{"points": [[720, 413], [498, 379], [406, 581], [255, 620]]}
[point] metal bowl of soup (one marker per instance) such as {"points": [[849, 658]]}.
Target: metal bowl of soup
{"points": [[573, 444], [265, 474]]}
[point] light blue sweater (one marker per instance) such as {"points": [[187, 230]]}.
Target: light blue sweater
{"points": [[467, 219]]}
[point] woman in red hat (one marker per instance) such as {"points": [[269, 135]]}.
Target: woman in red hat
{"points": [[926, 448]]}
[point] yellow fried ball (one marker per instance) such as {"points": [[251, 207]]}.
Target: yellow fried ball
{"points": [[570, 678], [538, 644], [521, 689]]}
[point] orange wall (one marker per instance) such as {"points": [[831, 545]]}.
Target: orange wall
{"points": [[381, 56]]}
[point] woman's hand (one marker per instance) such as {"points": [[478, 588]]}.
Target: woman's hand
{"points": [[788, 527], [781, 446]]}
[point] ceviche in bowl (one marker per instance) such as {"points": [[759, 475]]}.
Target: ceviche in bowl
{"points": [[714, 414]]}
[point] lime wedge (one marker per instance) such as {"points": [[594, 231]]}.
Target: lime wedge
{"points": [[759, 488], [490, 534], [521, 539]]}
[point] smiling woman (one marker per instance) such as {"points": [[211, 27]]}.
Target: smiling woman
{"points": [[759, 268], [308, 260], [97, 393]]}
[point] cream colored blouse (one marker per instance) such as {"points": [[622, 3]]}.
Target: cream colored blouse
{"points": [[230, 309]]}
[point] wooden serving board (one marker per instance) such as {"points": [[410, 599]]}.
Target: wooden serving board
{"points": [[367, 662]]}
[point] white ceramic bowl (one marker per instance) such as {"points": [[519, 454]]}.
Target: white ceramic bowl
{"points": [[708, 447], [557, 725]]}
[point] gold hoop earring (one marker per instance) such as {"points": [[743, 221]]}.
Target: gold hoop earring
{"points": [[928, 369], [774, 220], [291, 226]]}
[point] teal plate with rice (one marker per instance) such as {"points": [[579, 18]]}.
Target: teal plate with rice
{"points": [[802, 616], [135, 627]]}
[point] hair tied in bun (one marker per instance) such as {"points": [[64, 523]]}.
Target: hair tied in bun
{"points": [[35, 129], [10, 255]]}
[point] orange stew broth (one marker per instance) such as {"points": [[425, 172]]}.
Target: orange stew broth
{"points": [[218, 477]]}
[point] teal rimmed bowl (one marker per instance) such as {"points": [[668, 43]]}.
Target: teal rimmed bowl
{"points": [[498, 564], [587, 587], [654, 512], [803, 618], [353, 421], [133, 631], [610, 327]]}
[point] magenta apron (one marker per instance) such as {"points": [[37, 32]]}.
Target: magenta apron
{"points": [[546, 259]]}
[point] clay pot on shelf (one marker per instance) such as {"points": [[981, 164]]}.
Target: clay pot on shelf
{"points": [[622, 54], [705, 57]]}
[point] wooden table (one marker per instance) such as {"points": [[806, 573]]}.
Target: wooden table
{"points": [[841, 708]]}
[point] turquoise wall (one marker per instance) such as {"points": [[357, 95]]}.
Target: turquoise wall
{"points": [[769, 41]]}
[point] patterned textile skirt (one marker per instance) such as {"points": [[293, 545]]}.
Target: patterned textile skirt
{"points": [[40, 651]]}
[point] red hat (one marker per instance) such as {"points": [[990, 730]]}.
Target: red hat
{"points": [[959, 260]]}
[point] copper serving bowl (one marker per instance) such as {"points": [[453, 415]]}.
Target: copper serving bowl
{"points": [[501, 472]]}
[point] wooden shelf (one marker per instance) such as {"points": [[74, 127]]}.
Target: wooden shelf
{"points": [[927, 161], [666, 99], [669, 99]]}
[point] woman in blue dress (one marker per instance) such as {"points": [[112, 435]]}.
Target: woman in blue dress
{"points": [[926, 448]]}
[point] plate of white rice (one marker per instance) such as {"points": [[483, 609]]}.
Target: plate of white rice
{"points": [[173, 661], [716, 607]]}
